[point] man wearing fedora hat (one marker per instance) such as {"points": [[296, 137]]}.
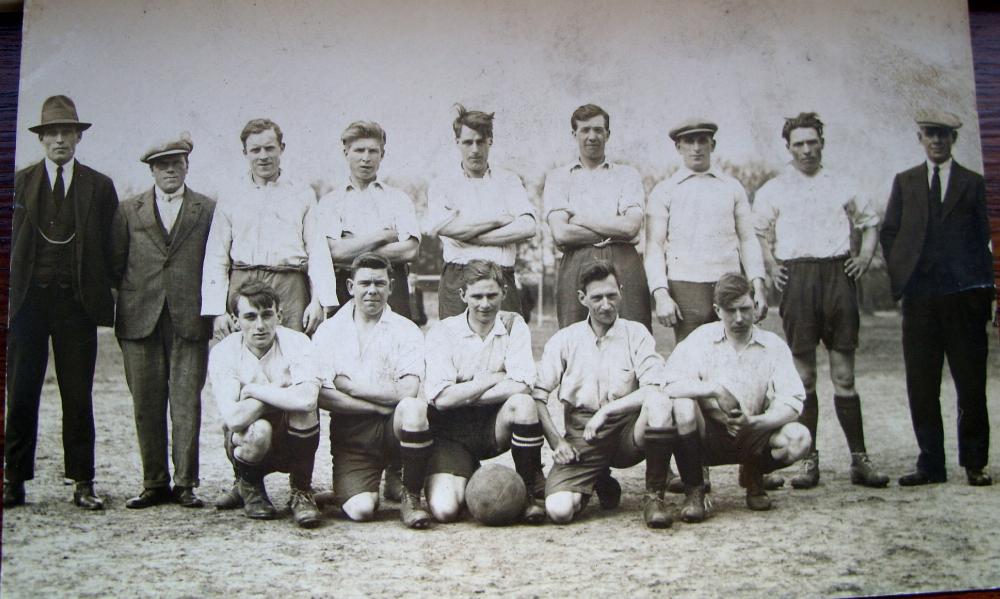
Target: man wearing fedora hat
{"points": [[159, 247], [698, 228], [60, 288], [936, 239]]}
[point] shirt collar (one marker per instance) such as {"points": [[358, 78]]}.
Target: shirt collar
{"points": [[277, 182], [578, 165], [348, 312], [487, 175], [271, 351], [350, 186], [162, 195], [719, 335], [464, 329], [944, 167], [50, 168], [617, 329], [685, 173]]}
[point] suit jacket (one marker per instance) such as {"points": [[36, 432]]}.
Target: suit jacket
{"points": [[965, 227], [148, 273], [94, 203]]}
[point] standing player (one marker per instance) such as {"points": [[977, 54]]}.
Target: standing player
{"points": [[481, 213], [936, 241], [804, 218], [265, 228], [610, 382], [265, 384], [372, 360], [479, 376], [594, 208], [747, 389]]}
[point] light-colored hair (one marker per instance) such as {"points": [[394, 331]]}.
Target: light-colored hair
{"points": [[363, 130]]}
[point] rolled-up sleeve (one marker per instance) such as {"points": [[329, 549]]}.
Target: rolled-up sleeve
{"points": [[321, 275], [324, 352], [553, 364], [683, 363], [861, 209], [750, 252], [650, 368], [765, 214], [406, 217], [518, 362], [328, 217], [441, 369], [410, 353], [302, 365], [633, 194], [785, 386], [439, 211], [215, 270], [516, 198], [555, 195]]}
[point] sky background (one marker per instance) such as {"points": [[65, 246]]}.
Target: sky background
{"points": [[141, 71]]}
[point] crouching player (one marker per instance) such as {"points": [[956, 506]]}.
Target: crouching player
{"points": [[479, 375], [615, 411], [265, 384], [747, 389], [372, 361]]}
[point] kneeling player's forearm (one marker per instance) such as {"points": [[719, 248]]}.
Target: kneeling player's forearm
{"points": [[335, 401], [628, 403], [502, 391], [300, 397], [552, 435], [243, 413], [775, 417]]}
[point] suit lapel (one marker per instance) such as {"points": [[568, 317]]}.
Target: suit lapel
{"points": [[145, 209], [33, 192], [923, 193], [956, 187], [190, 213]]}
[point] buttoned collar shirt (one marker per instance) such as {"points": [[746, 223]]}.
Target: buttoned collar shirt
{"points": [[592, 371], [805, 216], [50, 170], [499, 192], [392, 349], [350, 209], [608, 190], [456, 353], [944, 173], [709, 228], [760, 374], [289, 361], [168, 205], [271, 225]]}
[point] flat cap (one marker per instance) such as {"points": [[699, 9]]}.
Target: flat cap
{"points": [[178, 145], [693, 125], [937, 118]]}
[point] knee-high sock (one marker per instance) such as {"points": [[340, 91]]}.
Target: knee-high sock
{"points": [[526, 449], [248, 472], [810, 416], [659, 442], [687, 451], [414, 451], [849, 414], [302, 444]]}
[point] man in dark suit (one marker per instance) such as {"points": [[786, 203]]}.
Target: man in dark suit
{"points": [[159, 246], [60, 287], [936, 243]]}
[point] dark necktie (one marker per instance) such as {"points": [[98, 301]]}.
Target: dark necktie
{"points": [[59, 189], [936, 185]]}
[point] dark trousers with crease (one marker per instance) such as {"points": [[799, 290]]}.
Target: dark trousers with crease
{"points": [[165, 371], [50, 313], [952, 325]]}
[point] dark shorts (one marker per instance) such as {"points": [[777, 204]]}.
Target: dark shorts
{"points": [[695, 301], [748, 447], [399, 298], [820, 303], [279, 458], [635, 290], [450, 302], [463, 437], [362, 445], [615, 448]]}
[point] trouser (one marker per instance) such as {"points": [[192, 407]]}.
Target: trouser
{"points": [[292, 287], [631, 276], [951, 325], [50, 312], [163, 369]]}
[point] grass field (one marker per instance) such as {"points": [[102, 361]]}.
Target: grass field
{"points": [[836, 539]]}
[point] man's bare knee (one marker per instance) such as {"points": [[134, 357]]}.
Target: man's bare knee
{"points": [[798, 440], [303, 420], [521, 409], [254, 442], [561, 507], [444, 507], [659, 412], [411, 414], [685, 415], [361, 507]]}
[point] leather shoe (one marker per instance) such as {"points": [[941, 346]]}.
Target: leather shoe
{"points": [[149, 498], [609, 492], [85, 498], [13, 493], [185, 497], [919, 477], [231, 499], [978, 478], [256, 504], [654, 510]]}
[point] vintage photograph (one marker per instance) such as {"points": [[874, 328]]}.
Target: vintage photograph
{"points": [[526, 299]]}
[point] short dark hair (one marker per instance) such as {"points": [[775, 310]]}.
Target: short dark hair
{"points": [[255, 126], [589, 111], [477, 120], [805, 120], [370, 260], [597, 270], [729, 288], [479, 270], [259, 294], [363, 130]]}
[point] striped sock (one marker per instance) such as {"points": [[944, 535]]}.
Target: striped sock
{"points": [[526, 449], [659, 442], [414, 451], [302, 445]]}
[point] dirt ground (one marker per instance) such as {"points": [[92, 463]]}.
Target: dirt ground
{"points": [[834, 540]]}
